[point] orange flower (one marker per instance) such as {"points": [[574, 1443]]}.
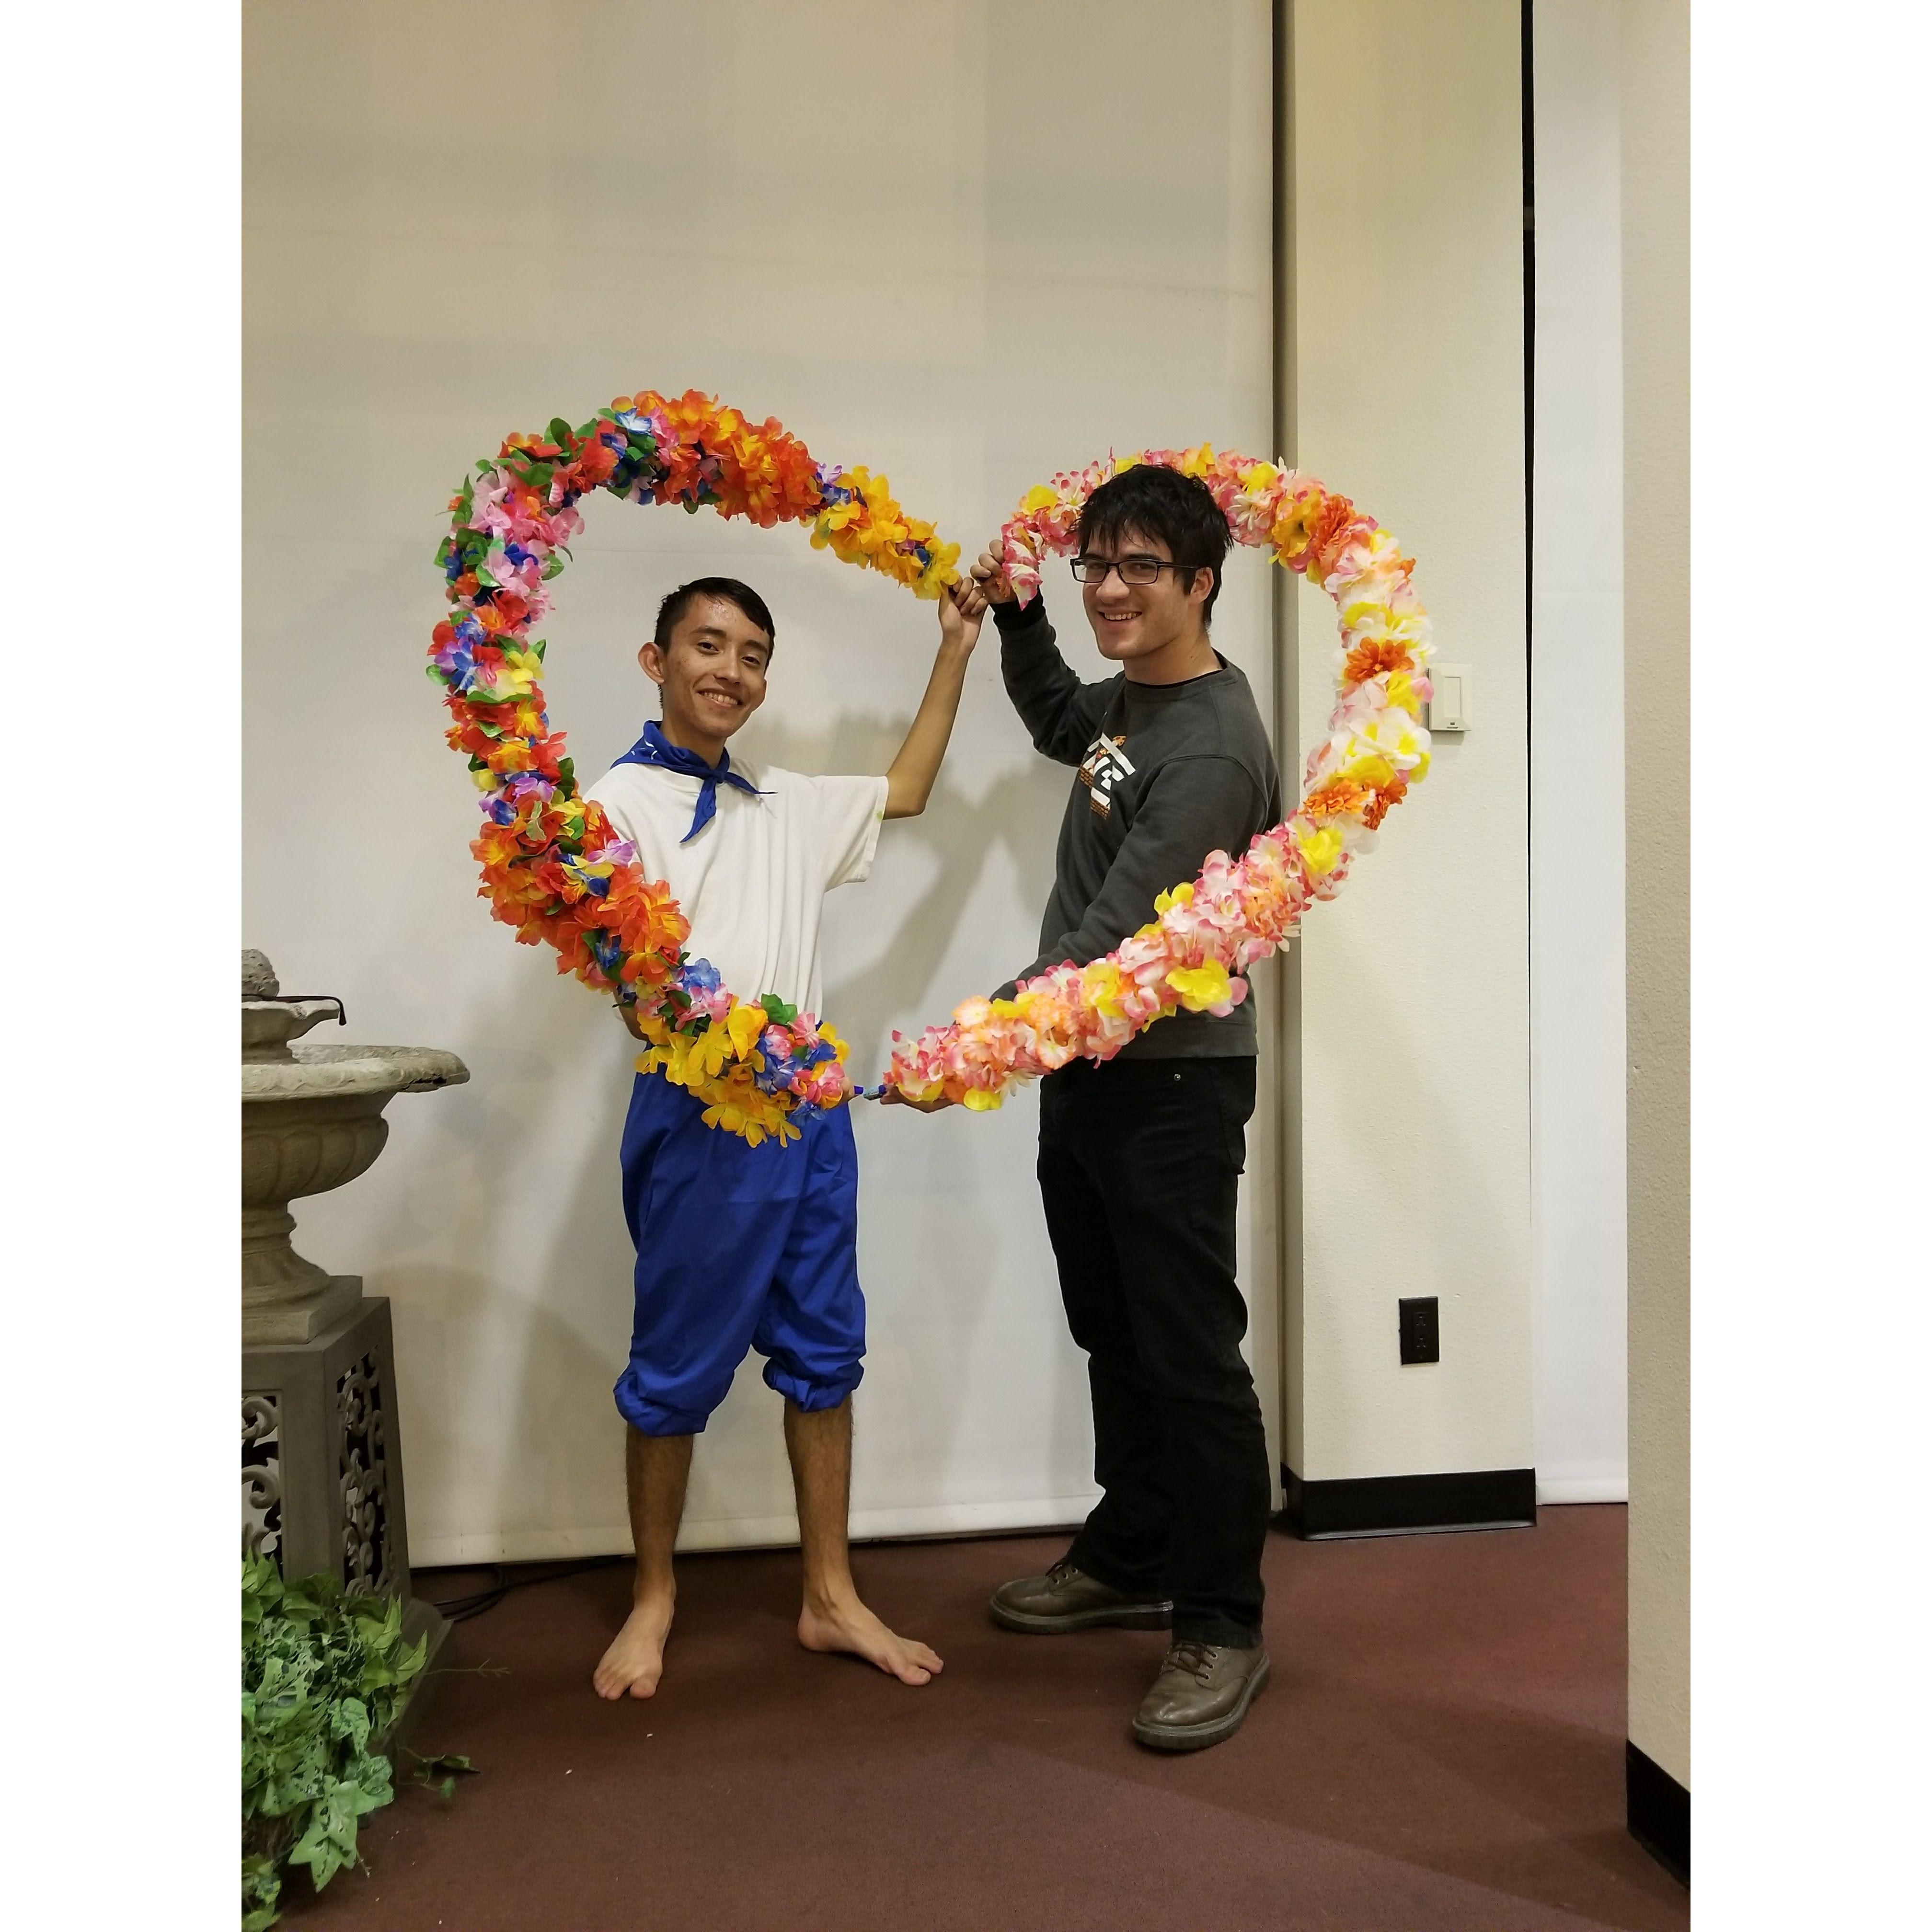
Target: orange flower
{"points": [[506, 612], [1369, 660], [1333, 526], [496, 845], [1294, 526], [1339, 798], [595, 460]]}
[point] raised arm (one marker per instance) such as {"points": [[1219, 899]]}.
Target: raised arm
{"points": [[909, 779], [1061, 713]]}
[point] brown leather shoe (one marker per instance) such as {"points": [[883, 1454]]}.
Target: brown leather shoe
{"points": [[1067, 1599], [1201, 1695]]}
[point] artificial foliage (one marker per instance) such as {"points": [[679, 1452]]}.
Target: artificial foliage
{"points": [[324, 1672]]}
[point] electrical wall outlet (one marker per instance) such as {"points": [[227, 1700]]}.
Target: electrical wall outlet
{"points": [[1420, 1329]]}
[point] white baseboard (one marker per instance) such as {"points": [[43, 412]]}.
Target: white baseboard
{"points": [[1583, 1489], [775, 1532]]}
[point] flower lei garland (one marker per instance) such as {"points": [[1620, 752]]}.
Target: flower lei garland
{"points": [[1205, 935], [553, 866]]}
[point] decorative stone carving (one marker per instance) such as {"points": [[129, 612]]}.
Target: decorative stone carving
{"points": [[261, 1476], [364, 1478], [258, 976], [311, 1121]]}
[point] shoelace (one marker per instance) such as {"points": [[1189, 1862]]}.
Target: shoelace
{"points": [[1192, 1656]]}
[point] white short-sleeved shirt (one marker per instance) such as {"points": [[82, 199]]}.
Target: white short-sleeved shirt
{"points": [[753, 883]]}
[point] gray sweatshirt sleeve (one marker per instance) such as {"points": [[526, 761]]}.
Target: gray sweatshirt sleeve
{"points": [[1194, 806], [1061, 713]]}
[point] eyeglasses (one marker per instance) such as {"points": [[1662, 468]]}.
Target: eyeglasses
{"points": [[1132, 569]]}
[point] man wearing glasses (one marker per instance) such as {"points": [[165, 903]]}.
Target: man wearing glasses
{"points": [[1140, 1156]]}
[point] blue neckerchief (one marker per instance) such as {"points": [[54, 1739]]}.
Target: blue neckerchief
{"points": [[655, 748]]}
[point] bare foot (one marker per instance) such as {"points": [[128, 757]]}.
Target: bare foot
{"points": [[634, 1662], [849, 1626]]}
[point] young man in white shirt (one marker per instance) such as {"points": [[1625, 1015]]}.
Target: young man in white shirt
{"points": [[742, 1247]]}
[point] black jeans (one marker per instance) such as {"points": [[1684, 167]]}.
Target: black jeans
{"points": [[1139, 1166]]}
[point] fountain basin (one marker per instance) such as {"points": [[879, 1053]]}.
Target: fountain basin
{"points": [[311, 1121]]}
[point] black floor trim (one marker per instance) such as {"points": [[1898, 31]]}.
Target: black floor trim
{"points": [[1658, 1810], [1403, 1505]]}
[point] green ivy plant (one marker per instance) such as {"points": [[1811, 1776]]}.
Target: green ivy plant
{"points": [[324, 1672]]}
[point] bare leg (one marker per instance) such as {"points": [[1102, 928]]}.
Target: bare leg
{"points": [[655, 1469], [819, 1444]]}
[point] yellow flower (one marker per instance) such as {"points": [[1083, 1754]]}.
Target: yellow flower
{"points": [[703, 1060], [827, 1034], [1372, 770], [1182, 895], [521, 671], [1101, 982], [1321, 849], [744, 1024], [1402, 693], [980, 1101], [1200, 987]]}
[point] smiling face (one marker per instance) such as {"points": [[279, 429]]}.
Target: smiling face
{"points": [[1135, 622], [712, 673]]}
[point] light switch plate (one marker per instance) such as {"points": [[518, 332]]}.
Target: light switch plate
{"points": [[1449, 709]]}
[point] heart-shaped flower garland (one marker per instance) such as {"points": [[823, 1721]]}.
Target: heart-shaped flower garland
{"points": [[1205, 935], [553, 867]]}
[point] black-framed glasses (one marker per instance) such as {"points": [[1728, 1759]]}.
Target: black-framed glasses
{"points": [[1132, 569]]}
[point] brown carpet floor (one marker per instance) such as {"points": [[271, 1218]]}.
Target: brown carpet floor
{"points": [[1440, 1749]]}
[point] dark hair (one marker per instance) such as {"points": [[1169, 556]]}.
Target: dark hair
{"points": [[1150, 500], [727, 588]]}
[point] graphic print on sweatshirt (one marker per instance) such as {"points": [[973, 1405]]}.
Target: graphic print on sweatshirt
{"points": [[1105, 763]]}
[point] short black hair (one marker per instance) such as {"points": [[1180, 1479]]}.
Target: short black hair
{"points": [[728, 588], [1151, 500]]}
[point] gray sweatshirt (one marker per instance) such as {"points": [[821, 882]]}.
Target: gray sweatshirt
{"points": [[1167, 774]]}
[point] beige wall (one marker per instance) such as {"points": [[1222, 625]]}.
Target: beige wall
{"points": [[927, 250], [1655, 74], [1412, 1108]]}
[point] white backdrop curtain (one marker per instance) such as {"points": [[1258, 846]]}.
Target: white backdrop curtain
{"points": [[993, 241]]}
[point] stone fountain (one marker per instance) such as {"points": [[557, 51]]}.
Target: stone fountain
{"points": [[322, 1466]]}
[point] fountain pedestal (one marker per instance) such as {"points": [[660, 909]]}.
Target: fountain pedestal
{"points": [[322, 1463]]}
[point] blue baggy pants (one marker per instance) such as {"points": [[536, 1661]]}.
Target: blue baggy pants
{"points": [[739, 1247]]}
